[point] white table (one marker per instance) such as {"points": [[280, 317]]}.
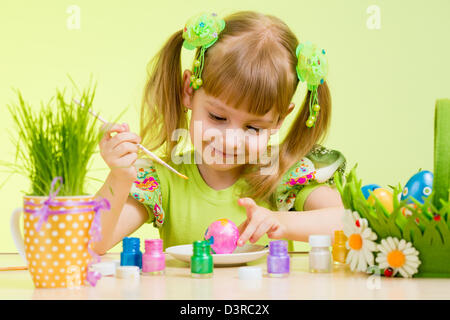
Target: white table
{"points": [[177, 283]]}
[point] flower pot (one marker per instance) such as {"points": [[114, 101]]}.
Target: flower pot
{"points": [[57, 238]]}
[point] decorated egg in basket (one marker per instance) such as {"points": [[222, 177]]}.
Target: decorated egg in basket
{"points": [[419, 186]]}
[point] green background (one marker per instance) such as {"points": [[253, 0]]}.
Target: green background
{"points": [[384, 82]]}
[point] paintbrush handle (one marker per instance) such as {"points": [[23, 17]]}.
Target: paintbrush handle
{"points": [[151, 154], [154, 156], [13, 268]]}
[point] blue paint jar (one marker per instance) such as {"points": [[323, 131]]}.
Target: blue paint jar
{"points": [[131, 254]]}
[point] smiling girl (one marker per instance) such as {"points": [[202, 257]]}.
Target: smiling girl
{"points": [[238, 96]]}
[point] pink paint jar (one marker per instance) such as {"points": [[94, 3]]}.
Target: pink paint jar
{"points": [[153, 259]]}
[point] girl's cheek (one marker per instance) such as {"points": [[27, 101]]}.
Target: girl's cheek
{"points": [[202, 132], [256, 146]]}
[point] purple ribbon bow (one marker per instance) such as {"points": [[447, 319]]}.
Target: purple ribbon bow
{"points": [[44, 212], [95, 233]]}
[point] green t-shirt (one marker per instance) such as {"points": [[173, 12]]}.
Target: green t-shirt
{"points": [[183, 209]]}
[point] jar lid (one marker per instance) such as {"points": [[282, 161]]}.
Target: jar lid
{"points": [[250, 273], [107, 268], [127, 272], [319, 240]]}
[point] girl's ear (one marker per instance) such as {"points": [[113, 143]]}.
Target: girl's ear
{"points": [[188, 91], [280, 121]]}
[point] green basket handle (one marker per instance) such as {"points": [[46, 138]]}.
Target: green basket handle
{"points": [[441, 180]]}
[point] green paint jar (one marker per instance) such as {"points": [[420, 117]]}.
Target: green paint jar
{"points": [[201, 260]]}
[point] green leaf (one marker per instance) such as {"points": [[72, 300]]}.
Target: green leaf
{"points": [[441, 180]]}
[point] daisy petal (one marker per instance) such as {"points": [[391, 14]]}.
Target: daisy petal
{"points": [[403, 273], [409, 251], [382, 249], [396, 242], [412, 264], [370, 245], [349, 256], [383, 265], [362, 264], [368, 255], [354, 261], [385, 245], [390, 244], [402, 245], [381, 258], [408, 269], [366, 233]]}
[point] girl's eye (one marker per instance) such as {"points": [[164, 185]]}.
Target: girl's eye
{"points": [[216, 117], [253, 128]]}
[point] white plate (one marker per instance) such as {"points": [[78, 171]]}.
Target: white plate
{"points": [[244, 254]]}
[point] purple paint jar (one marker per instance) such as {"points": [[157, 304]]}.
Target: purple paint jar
{"points": [[153, 260], [278, 260]]}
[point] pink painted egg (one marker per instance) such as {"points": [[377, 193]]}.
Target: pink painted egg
{"points": [[223, 235]]}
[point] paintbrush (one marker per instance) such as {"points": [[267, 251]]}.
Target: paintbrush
{"points": [[151, 154], [13, 268]]}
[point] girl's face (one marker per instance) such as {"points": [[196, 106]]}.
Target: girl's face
{"points": [[227, 137]]}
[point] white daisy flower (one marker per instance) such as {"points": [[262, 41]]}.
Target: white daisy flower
{"points": [[350, 217], [398, 256], [360, 241]]}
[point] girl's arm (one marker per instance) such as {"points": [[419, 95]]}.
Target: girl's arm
{"points": [[126, 214], [322, 215], [125, 217]]}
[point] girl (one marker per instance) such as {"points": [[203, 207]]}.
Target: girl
{"points": [[239, 92]]}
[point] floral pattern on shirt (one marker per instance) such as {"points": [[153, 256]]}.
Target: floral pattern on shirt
{"points": [[146, 189], [319, 165]]}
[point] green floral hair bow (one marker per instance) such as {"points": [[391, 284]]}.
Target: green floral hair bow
{"points": [[201, 31], [312, 67]]}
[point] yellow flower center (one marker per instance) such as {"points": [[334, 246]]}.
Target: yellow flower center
{"points": [[355, 241], [396, 258]]}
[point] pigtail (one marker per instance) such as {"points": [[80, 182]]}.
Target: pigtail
{"points": [[162, 109], [300, 139]]}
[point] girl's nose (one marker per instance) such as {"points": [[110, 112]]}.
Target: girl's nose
{"points": [[234, 141]]}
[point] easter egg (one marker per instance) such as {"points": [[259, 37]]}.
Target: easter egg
{"points": [[223, 235], [369, 187], [384, 196], [419, 187]]}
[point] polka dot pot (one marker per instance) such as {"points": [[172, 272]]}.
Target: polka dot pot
{"points": [[57, 254]]}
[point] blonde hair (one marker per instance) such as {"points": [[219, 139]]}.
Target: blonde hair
{"points": [[252, 65]]}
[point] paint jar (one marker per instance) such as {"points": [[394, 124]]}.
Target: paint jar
{"points": [[201, 260], [131, 254], [319, 255], [278, 260], [153, 259], [339, 251]]}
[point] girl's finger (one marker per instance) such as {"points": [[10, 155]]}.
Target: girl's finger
{"points": [[249, 204], [126, 161], [123, 137], [260, 231], [248, 232], [124, 148], [109, 128], [242, 226], [275, 233]]}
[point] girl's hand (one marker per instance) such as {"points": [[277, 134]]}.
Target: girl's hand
{"points": [[120, 151], [259, 221]]}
